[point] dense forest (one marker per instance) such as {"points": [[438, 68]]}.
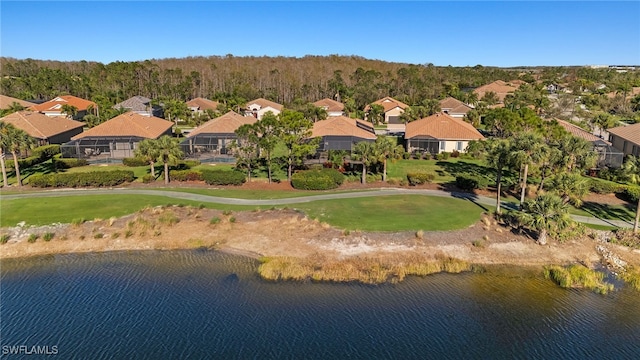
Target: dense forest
{"points": [[286, 80]]}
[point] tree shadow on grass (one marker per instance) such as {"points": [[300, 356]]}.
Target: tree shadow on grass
{"points": [[607, 212], [454, 168], [46, 167], [456, 193]]}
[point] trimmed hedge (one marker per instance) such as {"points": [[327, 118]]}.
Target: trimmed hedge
{"points": [[185, 175], [420, 178], [631, 193], [324, 179], [221, 177], [134, 162], [23, 163], [600, 186], [60, 163], [46, 152], [471, 182], [86, 179]]}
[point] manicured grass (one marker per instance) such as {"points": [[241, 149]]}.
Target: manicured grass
{"points": [[395, 213], [625, 212], [42, 211], [138, 171], [254, 194], [600, 227], [444, 170]]}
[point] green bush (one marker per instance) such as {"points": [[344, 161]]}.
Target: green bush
{"points": [[134, 162], [443, 156], [221, 177], [185, 175], [60, 163], [471, 182], [631, 193], [324, 179], [46, 152], [420, 178], [148, 179], [599, 186], [87, 179]]}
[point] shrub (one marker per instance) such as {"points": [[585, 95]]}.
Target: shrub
{"points": [[324, 179], [59, 163], [134, 162], [48, 236], [471, 182], [631, 193], [98, 236], [604, 187], [406, 155], [455, 154], [149, 178], [214, 220], [374, 178], [221, 177], [4, 238], [226, 212], [33, 237], [426, 156], [232, 219], [46, 152], [78, 221], [443, 156], [420, 178], [24, 163], [94, 178], [185, 175]]}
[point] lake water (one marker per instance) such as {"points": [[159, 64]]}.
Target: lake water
{"points": [[205, 304]]}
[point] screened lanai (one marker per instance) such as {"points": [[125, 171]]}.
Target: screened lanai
{"points": [[95, 148]]}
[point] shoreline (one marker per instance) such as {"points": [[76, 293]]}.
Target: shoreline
{"points": [[286, 234]]}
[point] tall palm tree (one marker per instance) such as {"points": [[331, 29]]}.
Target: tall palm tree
{"points": [[498, 158], [17, 141], [571, 187], [545, 213], [168, 152], [525, 151], [148, 151], [69, 110], [365, 152], [4, 144], [631, 169], [387, 151]]}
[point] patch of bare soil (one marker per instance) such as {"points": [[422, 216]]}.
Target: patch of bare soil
{"points": [[289, 233]]}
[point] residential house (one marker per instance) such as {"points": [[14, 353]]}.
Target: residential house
{"points": [[500, 88], [258, 107], [342, 133], [44, 129], [332, 107], [440, 133], [454, 107], [116, 138], [200, 105], [214, 137], [626, 139], [608, 156], [392, 109], [140, 105], [7, 101], [54, 106]]}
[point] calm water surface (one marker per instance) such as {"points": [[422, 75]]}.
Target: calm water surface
{"points": [[200, 304]]}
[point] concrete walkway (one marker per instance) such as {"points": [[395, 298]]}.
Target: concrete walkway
{"points": [[480, 200]]}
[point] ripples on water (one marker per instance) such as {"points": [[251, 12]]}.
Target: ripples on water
{"points": [[199, 304]]}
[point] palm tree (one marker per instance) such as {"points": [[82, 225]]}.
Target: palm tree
{"points": [[168, 151], [498, 158], [525, 150], [571, 187], [387, 151], [4, 144], [69, 110], [631, 169], [148, 151], [13, 107], [17, 141], [365, 152], [545, 213]]}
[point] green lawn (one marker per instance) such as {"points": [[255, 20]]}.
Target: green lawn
{"points": [[254, 194], [625, 212], [387, 213], [444, 170]]}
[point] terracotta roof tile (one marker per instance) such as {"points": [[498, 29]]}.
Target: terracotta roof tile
{"points": [[5, 101], [499, 87], [55, 105], [203, 104], [343, 126], [41, 126], [388, 103], [442, 126], [129, 124], [329, 105], [630, 132], [264, 103], [577, 131], [454, 106], [225, 124]]}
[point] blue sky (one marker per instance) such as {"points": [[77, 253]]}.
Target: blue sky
{"points": [[501, 33]]}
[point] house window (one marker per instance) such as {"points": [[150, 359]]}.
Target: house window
{"points": [[442, 145], [459, 146]]}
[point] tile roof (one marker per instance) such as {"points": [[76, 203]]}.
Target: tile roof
{"points": [[343, 126], [263, 103], [388, 103], [129, 124], [5, 101], [442, 126], [136, 103], [499, 87], [225, 124], [329, 105], [454, 106], [630, 132], [41, 126], [55, 104], [203, 104], [577, 131]]}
